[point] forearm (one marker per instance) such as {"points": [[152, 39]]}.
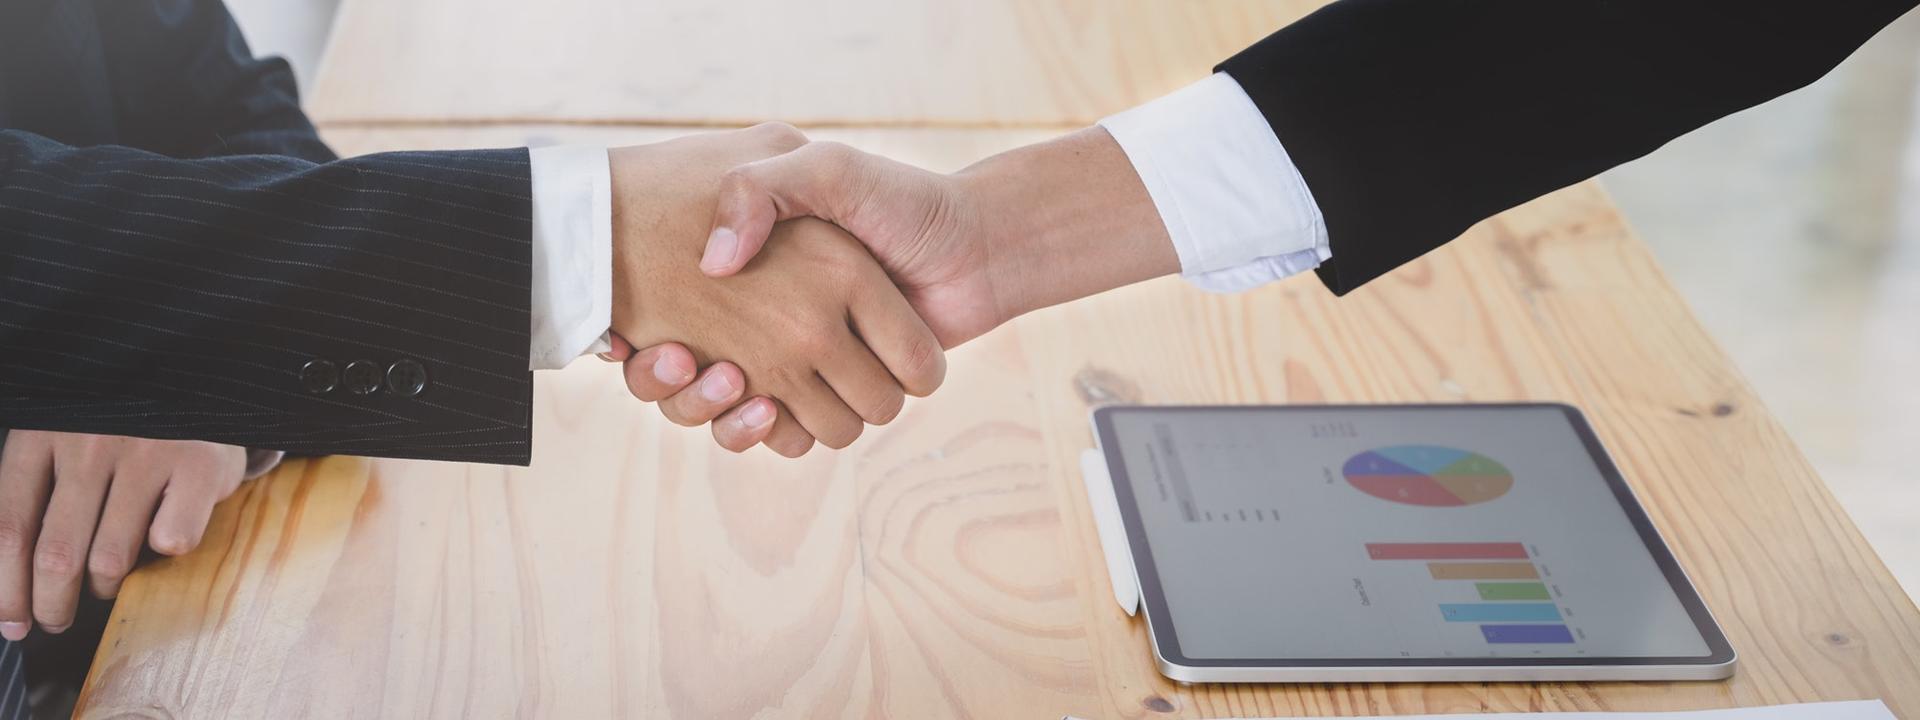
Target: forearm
{"points": [[187, 84], [1064, 219], [1411, 120], [226, 300]]}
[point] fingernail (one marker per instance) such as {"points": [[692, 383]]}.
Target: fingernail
{"points": [[13, 631], [756, 414], [56, 630], [667, 371], [721, 246], [716, 387]]}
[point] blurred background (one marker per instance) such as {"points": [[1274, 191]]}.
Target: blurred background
{"points": [[1793, 229]]}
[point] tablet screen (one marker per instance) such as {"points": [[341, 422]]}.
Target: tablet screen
{"points": [[1393, 532]]}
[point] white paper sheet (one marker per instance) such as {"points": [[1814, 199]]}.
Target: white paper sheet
{"points": [[1850, 710]]}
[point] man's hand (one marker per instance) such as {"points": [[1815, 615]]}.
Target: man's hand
{"points": [[1026, 229], [78, 509], [924, 227], [820, 328], [665, 374]]}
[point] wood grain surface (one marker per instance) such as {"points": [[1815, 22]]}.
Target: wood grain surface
{"points": [[946, 565], [857, 62]]}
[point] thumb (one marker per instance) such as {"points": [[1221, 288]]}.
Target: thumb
{"points": [[809, 181]]}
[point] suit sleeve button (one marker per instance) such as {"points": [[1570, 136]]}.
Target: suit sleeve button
{"points": [[319, 377], [361, 377], [406, 378]]}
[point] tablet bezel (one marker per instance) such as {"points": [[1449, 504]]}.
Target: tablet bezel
{"points": [[1165, 636]]}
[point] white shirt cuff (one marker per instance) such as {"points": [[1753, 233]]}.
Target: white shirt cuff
{"points": [[572, 304], [1235, 205]]}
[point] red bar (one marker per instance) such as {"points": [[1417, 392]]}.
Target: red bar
{"points": [[1446, 551]]}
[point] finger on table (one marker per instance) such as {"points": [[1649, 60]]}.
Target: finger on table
{"points": [[82, 472], [181, 521], [26, 476], [123, 527]]}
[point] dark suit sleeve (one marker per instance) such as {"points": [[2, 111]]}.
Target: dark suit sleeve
{"points": [[1411, 120], [184, 298], [186, 84]]}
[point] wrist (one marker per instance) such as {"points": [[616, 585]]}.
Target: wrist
{"points": [[622, 163], [1064, 219]]}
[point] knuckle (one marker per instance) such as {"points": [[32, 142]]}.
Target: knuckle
{"points": [[885, 408], [926, 367], [57, 559], [53, 620], [737, 181], [786, 374], [174, 542], [840, 437], [96, 443], [813, 342], [109, 564], [779, 135], [13, 535], [791, 447]]}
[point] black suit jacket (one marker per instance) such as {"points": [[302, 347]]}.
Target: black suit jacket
{"points": [[181, 256], [1413, 119]]}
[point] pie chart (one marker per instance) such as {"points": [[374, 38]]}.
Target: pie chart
{"points": [[1428, 475]]}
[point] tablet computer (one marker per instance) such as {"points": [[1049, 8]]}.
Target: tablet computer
{"points": [[1383, 543]]}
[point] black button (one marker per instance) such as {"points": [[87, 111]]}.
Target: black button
{"points": [[319, 377], [361, 377], [406, 379]]}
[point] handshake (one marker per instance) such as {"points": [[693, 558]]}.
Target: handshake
{"points": [[789, 291]]}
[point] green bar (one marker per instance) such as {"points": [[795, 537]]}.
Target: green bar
{"points": [[1512, 591]]}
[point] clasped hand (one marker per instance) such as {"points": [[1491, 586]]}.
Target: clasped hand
{"points": [[818, 321], [814, 334]]}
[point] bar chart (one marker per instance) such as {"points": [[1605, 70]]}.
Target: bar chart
{"points": [[1515, 605]]}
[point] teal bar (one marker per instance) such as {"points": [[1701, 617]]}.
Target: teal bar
{"points": [[1500, 612]]}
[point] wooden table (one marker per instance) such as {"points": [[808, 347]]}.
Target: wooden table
{"points": [[947, 565], [972, 63]]}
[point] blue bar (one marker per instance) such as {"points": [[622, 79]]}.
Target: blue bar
{"points": [[1526, 634], [1501, 612]]}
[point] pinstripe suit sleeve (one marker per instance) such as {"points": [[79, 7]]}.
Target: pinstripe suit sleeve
{"points": [[181, 298], [186, 84]]}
